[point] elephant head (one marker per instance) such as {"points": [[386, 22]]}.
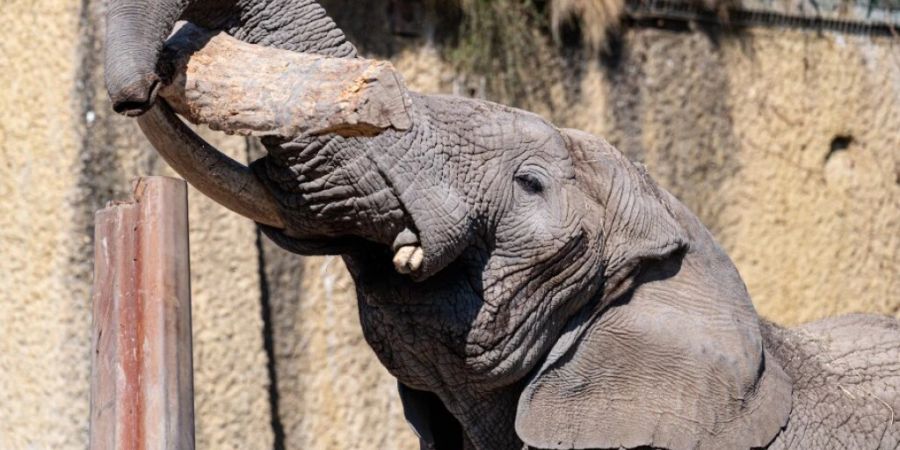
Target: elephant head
{"points": [[564, 300], [524, 283], [587, 308]]}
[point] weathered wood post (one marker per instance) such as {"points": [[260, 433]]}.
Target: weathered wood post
{"points": [[142, 374]]}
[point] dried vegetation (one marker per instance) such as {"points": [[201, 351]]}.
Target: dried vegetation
{"points": [[514, 44]]}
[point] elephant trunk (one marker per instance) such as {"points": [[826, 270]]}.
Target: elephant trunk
{"points": [[135, 34], [249, 89], [217, 176]]}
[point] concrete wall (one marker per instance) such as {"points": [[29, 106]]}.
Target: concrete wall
{"points": [[741, 127]]}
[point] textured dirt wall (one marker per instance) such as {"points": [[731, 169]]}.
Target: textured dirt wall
{"points": [[814, 226], [42, 359], [65, 154]]}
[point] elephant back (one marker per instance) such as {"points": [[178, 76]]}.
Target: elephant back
{"points": [[846, 379]]}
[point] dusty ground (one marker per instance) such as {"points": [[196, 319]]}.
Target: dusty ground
{"points": [[784, 142]]}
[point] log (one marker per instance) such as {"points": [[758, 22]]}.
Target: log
{"points": [[247, 89], [141, 363]]}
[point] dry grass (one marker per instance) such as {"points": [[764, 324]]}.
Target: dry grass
{"points": [[596, 18], [510, 43], [503, 41], [498, 34]]}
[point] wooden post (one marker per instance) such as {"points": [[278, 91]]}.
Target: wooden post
{"points": [[142, 375]]}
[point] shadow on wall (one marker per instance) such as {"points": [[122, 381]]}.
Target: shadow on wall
{"points": [[667, 109]]}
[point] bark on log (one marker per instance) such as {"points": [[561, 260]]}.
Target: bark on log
{"points": [[246, 89]]}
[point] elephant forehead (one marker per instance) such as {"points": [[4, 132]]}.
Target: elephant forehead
{"points": [[491, 126], [531, 131], [529, 140]]}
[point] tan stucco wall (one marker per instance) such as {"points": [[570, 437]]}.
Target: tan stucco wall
{"points": [[42, 309], [741, 132], [738, 129], [817, 238], [64, 154]]}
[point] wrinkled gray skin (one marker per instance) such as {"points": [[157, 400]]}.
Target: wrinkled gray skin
{"points": [[565, 301]]}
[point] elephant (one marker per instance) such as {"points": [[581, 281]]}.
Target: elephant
{"points": [[527, 285]]}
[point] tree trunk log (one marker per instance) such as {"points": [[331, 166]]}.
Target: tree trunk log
{"points": [[247, 89]]}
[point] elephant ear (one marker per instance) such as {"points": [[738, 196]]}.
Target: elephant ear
{"points": [[672, 356], [638, 222]]}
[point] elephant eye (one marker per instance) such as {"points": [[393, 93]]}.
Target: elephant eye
{"points": [[530, 183]]}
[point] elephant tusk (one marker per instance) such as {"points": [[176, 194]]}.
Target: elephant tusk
{"points": [[211, 172], [408, 259]]}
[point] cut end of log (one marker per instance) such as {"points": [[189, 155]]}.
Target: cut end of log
{"points": [[240, 88]]}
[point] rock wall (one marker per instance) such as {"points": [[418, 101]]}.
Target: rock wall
{"points": [[783, 141]]}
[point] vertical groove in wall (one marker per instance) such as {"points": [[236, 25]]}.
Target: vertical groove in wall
{"points": [[266, 286], [674, 117], [85, 199], [269, 344]]}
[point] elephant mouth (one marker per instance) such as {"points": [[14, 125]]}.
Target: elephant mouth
{"points": [[378, 208]]}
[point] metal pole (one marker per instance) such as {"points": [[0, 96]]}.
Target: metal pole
{"points": [[142, 375]]}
